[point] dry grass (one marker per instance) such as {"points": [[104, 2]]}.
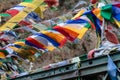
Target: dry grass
{"points": [[6, 4]]}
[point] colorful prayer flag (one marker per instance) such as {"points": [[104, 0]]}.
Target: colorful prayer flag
{"points": [[55, 35], [69, 34]]}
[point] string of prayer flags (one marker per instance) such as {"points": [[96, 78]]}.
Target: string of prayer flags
{"points": [[58, 35], [29, 7]]}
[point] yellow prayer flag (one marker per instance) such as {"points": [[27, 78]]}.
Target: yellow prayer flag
{"points": [[79, 14], [51, 48], [118, 23], [37, 2], [82, 32], [39, 12], [56, 36], [2, 55], [20, 43], [74, 27], [27, 5]]}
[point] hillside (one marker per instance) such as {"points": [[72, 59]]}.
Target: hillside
{"points": [[71, 49]]}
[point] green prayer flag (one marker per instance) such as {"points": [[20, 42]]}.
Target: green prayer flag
{"points": [[29, 1], [4, 15], [106, 12], [16, 26], [49, 28], [88, 25], [22, 40], [112, 20], [91, 18], [43, 3], [54, 8]]}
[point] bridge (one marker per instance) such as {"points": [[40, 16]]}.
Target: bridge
{"points": [[90, 69]]}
